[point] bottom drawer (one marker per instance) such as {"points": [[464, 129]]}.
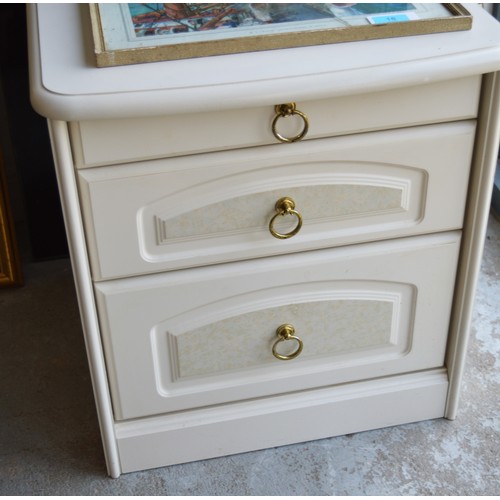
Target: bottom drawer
{"points": [[205, 336]]}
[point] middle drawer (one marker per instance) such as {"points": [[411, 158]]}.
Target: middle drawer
{"points": [[217, 207]]}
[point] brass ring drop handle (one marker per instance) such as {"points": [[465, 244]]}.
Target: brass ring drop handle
{"points": [[285, 333], [284, 111], [285, 206]]}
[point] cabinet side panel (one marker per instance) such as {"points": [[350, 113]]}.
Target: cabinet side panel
{"points": [[81, 272], [476, 219]]}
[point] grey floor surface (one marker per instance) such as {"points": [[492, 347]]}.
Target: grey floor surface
{"points": [[50, 444]]}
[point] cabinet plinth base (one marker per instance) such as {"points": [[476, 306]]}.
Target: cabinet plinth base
{"points": [[253, 425]]}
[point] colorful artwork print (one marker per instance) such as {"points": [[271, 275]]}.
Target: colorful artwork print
{"points": [[152, 32], [163, 19]]}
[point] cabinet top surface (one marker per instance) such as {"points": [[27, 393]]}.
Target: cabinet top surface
{"points": [[66, 84]]}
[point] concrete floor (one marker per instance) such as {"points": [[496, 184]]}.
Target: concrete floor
{"points": [[50, 444]]}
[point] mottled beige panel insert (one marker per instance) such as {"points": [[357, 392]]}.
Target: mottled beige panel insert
{"points": [[326, 328], [254, 211]]}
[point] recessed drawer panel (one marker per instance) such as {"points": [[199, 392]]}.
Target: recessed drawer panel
{"points": [[205, 336], [116, 141], [205, 209]]}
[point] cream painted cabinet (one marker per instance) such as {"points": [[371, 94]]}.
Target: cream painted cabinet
{"points": [[229, 282]]}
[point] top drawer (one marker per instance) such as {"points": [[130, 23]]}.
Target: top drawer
{"points": [[102, 142]]}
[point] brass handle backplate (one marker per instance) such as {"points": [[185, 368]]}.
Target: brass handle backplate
{"points": [[285, 206], [286, 333], [285, 111]]}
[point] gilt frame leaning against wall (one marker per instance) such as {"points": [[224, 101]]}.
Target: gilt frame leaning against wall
{"points": [[10, 264], [137, 33]]}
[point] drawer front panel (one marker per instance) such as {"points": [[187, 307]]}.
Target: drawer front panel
{"points": [[204, 336], [116, 141], [337, 318], [187, 212]]}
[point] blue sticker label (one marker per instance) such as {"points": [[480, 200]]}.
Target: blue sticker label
{"points": [[392, 18]]}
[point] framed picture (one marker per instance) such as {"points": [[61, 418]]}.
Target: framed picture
{"points": [[136, 33], [10, 266]]}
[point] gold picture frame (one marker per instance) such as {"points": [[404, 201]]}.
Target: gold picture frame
{"points": [[138, 33], [10, 267]]}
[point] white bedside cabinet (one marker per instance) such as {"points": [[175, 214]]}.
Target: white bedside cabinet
{"points": [[237, 292]]}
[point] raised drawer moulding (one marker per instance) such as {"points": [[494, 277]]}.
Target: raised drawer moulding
{"points": [[353, 197], [231, 348]]}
